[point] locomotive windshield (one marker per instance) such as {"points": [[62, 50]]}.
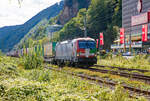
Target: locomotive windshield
{"points": [[87, 44]]}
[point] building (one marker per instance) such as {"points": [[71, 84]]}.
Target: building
{"points": [[51, 29], [135, 14]]}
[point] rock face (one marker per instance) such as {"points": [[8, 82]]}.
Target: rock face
{"points": [[70, 10]]}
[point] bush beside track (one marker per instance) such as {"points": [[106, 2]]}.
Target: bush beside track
{"points": [[137, 62]]}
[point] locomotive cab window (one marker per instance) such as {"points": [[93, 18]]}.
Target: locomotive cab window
{"points": [[87, 44]]}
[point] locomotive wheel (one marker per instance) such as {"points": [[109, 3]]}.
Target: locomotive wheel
{"points": [[72, 64], [69, 64], [61, 64]]}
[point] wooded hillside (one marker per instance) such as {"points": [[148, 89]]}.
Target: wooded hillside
{"points": [[102, 16]]}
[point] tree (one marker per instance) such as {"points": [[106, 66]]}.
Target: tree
{"points": [[73, 29], [110, 35], [102, 16], [117, 17]]}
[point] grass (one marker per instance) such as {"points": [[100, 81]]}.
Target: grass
{"points": [[46, 85], [110, 77], [137, 62]]}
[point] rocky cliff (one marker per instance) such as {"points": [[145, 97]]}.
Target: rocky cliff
{"points": [[70, 10]]}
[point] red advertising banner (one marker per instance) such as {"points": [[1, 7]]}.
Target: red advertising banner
{"points": [[97, 41], [101, 39], [144, 32], [122, 36]]}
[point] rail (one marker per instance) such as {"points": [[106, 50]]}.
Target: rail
{"points": [[99, 80]]}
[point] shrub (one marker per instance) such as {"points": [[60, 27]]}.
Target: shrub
{"points": [[120, 94], [108, 56], [1, 54], [23, 90], [7, 69], [39, 75], [33, 59]]}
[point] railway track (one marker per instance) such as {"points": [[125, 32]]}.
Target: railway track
{"points": [[123, 69], [112, 67], [135, 76], [122, 72], [101, 81]]}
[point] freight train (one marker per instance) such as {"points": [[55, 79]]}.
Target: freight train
{"points": [[76, 52]]}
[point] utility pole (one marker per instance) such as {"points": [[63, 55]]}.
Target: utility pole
{"points": [[130, 44], [130, 47], [85, 27], [124, 43]]}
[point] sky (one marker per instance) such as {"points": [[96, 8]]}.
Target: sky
{"points": [[11, 13]]}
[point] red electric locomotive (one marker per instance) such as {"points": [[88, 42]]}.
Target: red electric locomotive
{"points": [[79, 52]]}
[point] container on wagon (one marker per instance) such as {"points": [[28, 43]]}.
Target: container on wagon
{"points": [[49, 49]]}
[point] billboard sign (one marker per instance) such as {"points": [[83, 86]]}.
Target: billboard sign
{"points": [[140, 19]]}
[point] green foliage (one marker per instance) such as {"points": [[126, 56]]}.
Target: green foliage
{"points": [[137, 62], [39, 33], [1, 54], [110, 35], [39, 75], [34, 59], [97, 14], [23, 90], [53, 20], [117, 16], [102, 16], [47, 85], [35, 34], [119, 94], [73, 29], [108, 56], [8, 68], [83, 3]]}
